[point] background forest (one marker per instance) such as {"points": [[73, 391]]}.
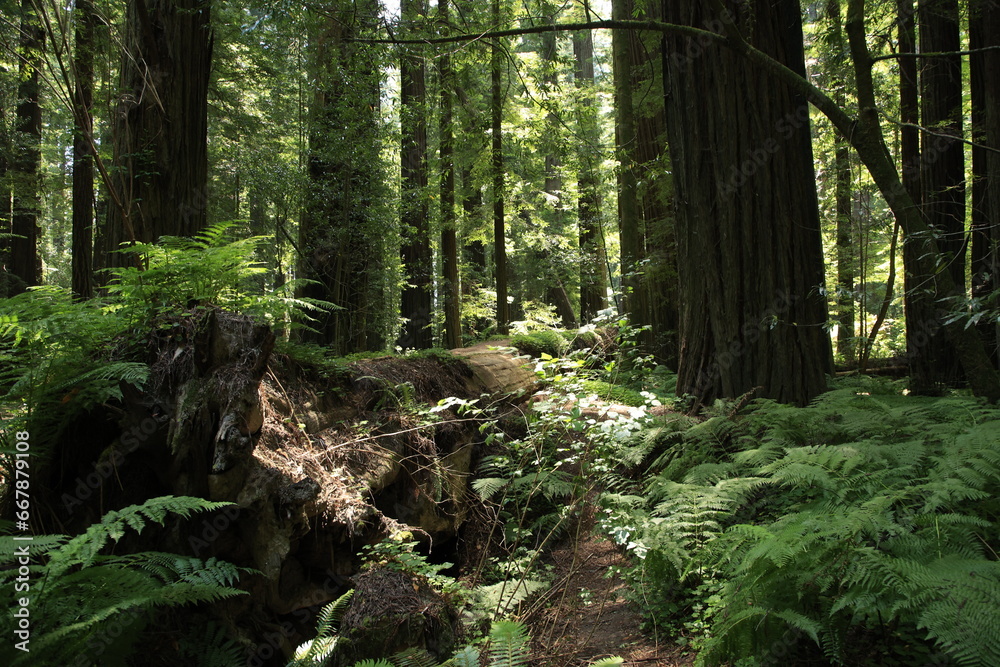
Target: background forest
{"points": [[412, 163], [701, 212]]}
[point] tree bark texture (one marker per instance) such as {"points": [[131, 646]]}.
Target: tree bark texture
{"points": [[160, 125], [749, 249], [931, 358], [417, 299], [984, 32], [83, 160]]}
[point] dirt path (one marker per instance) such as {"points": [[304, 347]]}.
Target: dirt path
{"points": [[585, 616]]}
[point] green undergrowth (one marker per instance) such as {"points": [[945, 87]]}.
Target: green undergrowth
{"points": [[70, 600], [860, 530]]}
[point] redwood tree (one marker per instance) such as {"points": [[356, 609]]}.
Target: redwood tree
{"points": [[83, 160], [342, 236], [25, 263], [417, 299], [749, 249], [160, 125], [593, 260], [984, 67], [933, 362]]}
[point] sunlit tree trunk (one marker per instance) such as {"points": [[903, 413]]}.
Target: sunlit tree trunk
{"points": [[846, 257], [749, 248], [497, 70]]}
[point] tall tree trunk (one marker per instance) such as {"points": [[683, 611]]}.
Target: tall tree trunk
{"points": [[25, 263], [932, 360], [417, 258], [83, 161], [846, 259], [917, 309], [160, 127], [553, 218], [629, 222], [868, 141], [339, 238], [984, 67], [593, 260], [450, 286], [499, 231], [749, 246]]}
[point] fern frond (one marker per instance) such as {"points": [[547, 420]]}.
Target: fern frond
{"points": [[329, 617], [508, 644], [83, 549], [467, 657]]}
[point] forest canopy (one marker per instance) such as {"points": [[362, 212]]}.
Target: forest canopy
{"points": [[767, 188]]}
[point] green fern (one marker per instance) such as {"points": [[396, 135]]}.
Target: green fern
{"points": [[78, 591], [316, 651], [864, 511], [209, 268], [508, 644]]}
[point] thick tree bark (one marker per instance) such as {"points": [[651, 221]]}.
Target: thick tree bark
{"points": [[932, 360], [417, 258], [499, 231], [83, 161], [161, 124], [749, 247], [25, 262], [593, 260], [984, 67], [450, 286]]}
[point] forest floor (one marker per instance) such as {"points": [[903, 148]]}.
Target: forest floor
{"points": [[587, 615]]}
